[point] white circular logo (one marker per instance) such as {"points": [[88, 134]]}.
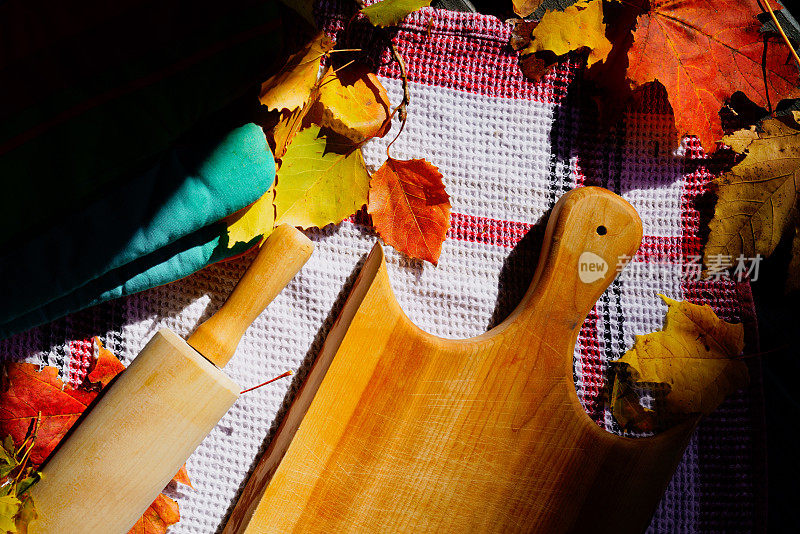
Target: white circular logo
{"points": [[591, 267]]}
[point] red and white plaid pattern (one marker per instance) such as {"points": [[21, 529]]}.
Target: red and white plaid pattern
{"points": [[508, 149]]}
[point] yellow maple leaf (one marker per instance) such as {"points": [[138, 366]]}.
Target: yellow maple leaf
{"points": [[579, 26], [320, 181], [757, 199], [355, 103], [695, 355], [291, 87]]}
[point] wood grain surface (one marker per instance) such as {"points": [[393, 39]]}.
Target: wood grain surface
{"points": [[397, 430], [281, 256], [119, 458], [145, 425]]}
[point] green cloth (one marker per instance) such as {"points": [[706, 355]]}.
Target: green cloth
{"points": [[93, 90], [152, 230], [118, 151]]}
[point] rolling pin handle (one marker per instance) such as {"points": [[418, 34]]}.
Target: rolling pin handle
{"points": [[281, 256]]}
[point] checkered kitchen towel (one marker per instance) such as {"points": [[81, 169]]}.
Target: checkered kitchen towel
{"points": [[508, 149]]}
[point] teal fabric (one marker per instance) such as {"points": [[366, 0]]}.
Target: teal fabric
{"points": [[90, 91], [152, 230]]}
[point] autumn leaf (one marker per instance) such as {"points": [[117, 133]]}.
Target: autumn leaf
{"points": [[291, 87], [9, 507], [106, 367], [392, 12], [410, 207], [163, 512], [695, 356], [25, 515], [182, 477], [28, 392], [17, 475], [355, 103], [578, 27], [702, 52], [756, 200], [321, 180], [523, 8], [251, 225], [283, 131], [158, 517]]}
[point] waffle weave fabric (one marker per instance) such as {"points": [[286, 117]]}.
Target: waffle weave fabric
{"points": [[508, 149]]}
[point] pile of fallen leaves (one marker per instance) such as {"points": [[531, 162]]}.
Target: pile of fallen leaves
{"points": [[728, 59], [318, 117], [36, 411]]}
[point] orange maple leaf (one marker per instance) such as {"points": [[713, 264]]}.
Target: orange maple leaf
{"points": [[410, 207], [28, 393], [702, 52]]}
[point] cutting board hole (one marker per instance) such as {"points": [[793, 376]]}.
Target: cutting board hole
{"points": [[601, 230]]}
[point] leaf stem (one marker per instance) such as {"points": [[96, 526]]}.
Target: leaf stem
{"points": [[780, 30], [345, 65], [401, 107], [271, 380]]}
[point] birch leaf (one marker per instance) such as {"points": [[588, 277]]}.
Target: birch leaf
{"points": [[355, 103], [252, 224], [392, 12], [9, 507], [321, 180], [410, 207], [291, 87]]}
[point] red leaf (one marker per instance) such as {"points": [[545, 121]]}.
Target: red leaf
{"points": [[106, 367], [156, 519], [410, 207], [28, 392], [703, 52]]}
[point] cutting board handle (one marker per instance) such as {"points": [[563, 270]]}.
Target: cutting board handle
{"points": [[281, 256], [591, 235]]}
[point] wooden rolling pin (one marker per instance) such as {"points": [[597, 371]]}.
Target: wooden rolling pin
{"points": [[396, 430], [157, 411]]}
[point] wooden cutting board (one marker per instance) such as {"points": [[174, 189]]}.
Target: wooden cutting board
{"points": [[396, 430]]}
